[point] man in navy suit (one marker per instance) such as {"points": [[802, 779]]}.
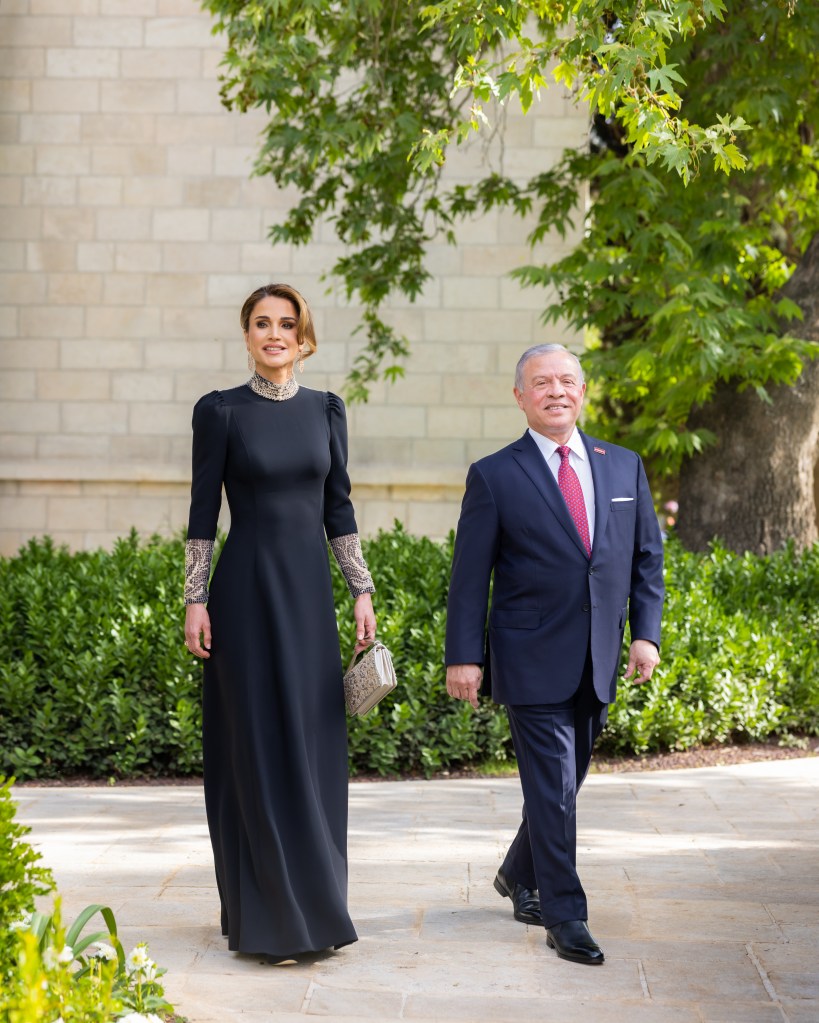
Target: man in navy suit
{"points": [[566, 525]]}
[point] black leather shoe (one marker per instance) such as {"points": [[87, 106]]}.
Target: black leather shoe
{"points": [[572, 940], [525, 900]]}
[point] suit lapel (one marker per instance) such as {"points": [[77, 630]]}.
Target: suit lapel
{"points": [[527, 454], [601, 475]]}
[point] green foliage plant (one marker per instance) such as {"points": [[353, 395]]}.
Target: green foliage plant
{"points": [[740, 661], [349, 88], [693, 201], [42, 987], [617, 57], [740, 654], [365, 98], [22, 877], [65, 974], [94, 677], [47, 928], [678, 283], [50, 972]]}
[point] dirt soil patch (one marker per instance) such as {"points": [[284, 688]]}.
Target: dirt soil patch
{"points": [[703, 756]]}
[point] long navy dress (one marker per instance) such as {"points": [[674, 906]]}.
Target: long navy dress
{"points": [[274, 726]]}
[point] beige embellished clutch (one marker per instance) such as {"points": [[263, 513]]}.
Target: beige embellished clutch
{"points": [[369, 681]]}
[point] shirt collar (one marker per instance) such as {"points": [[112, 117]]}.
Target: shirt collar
{"points": [[548, 446]]}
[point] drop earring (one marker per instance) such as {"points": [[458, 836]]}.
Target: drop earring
{"points": [[301, 360], [251, 365]]}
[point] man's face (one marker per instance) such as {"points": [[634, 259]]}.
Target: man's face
{"points": [[552, 395]]}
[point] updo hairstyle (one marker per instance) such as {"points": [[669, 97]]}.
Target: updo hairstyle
{"points": [[305, 332]]}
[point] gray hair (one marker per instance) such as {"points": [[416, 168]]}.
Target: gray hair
{"points": [[530, 353]]}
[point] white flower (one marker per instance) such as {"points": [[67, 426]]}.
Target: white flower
{"points": [[51, 957], [59, 1019], [23, 923], [139, 961], [103, 951], [137, 1017]]}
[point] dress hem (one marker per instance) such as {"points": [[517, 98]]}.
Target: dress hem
{"points": [[292, 952]]}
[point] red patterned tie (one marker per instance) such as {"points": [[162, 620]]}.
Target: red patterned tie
{"points": [[573, 496]]}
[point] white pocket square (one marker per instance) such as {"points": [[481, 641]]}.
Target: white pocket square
{"points": [[621, 499]]}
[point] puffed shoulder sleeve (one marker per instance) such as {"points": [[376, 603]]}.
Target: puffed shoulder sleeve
{"points": [[209, 450], [339, 517]]}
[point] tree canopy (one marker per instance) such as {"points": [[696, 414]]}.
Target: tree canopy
{"points": [[702, 158]]}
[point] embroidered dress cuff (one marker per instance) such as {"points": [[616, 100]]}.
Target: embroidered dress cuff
{"points": [[198, 556], [348, 554]]}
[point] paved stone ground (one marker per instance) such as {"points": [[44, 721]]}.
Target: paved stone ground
{"points": [[703, 885]]}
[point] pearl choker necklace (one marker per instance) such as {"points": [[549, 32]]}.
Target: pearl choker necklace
{"points": [[275, 392]]}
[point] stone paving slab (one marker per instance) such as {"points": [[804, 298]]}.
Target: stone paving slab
{"points": [[703, 888]]}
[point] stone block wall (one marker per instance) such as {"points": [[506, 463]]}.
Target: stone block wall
{"points": [[131, 232]]}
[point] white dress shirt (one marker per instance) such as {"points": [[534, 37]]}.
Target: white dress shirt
{"points": [[579, 461]]}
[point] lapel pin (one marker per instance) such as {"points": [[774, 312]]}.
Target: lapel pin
{"points": [[600, 451]]}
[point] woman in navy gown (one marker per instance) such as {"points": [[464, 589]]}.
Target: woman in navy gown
{"points": [[274, 725]]}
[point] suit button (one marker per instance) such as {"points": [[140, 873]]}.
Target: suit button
{"points": [[591, 571], [586, 607]]}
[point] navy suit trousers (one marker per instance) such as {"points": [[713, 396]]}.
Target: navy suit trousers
{"points": [[553, 744]]}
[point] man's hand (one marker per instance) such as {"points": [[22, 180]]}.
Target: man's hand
{"points": [[643, 657], [463, 682]]}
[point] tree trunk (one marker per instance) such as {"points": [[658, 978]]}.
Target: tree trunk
{"points": [[755, 488]]}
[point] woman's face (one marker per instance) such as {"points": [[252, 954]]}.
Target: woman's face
{"points": [[271, 337]]}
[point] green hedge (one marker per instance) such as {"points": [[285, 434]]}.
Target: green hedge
{"points": [[95, 678]]}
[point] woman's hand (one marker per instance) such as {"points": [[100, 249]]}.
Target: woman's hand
{"points": [[364, 621], [197, 624]]}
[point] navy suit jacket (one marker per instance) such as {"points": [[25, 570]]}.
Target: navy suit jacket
{"points": [[550, 602]]}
